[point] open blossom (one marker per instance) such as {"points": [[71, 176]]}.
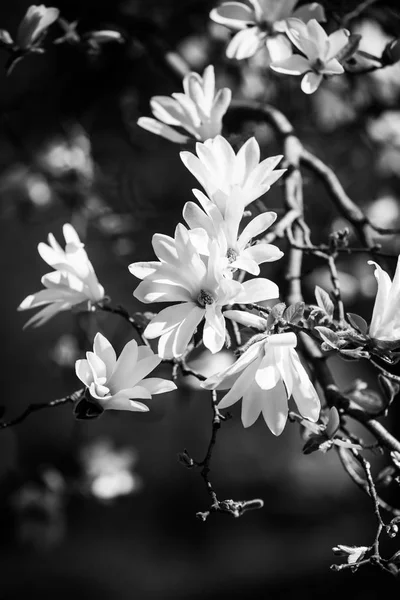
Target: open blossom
{"points": [[118, 384], [34, 24], [73, 281], [199, 286], [199, 110], [385, 322], [265, 376], [234, 247], [320, 52], [220, 171], [264, 23]]}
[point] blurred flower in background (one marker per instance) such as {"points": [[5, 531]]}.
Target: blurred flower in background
{"points": [[108, 471]]}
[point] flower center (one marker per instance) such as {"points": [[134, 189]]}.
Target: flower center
{"points": [[317, 65], [266, 26], [205, 298], [231, 255]]}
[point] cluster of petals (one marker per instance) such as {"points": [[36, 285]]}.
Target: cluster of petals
{"points": [[72, 282], [221, 171], [262, 23], [199, 110], [320, 53], [385, 322], [265, 376], [35, 24], [199, 285], [235, 249], [118, 384]]}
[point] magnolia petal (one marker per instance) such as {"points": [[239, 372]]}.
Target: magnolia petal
{"points": [[97, 366], [234, 15], [253, 353], [241, 385], [262, 253], [164, 248], [148, 292], [221, 104], [268, 375], [122, 402], [251, 405], [310, 82], [337, 41], [104, 350], [167, 319], [43, 297], [141, 270], [71, 236], [214, 329], [156, 385], [245, 43], [246, 319], [256, 226], [124, 371], [257, 290], [186, 330], [304, 393], [246, 263], [275, 408], [84, 372], [333, 67], [46, 314], [381, 300], [294, 65], [162, 130], [279, 48]]}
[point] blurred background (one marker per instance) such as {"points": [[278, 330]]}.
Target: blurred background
{"points": [[103, 507]]}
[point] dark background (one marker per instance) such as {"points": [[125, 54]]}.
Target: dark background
{"points": [[64, 541]]}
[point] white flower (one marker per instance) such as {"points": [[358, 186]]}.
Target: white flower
{"points": [[264, 23], [265, 376], [235, 248], [199, 285], [116, 384], [73, 281], [320, 52], [220, 171], [385, 322], [34, 24], [199, 109]]}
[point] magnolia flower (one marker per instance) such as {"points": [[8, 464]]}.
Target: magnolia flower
{"points": [[385, 322], [265, 376], [201, 289], [73, 281], [199, 109], [35, 24], [220, 171], [117, 384], [320, 52], [263, 23], [235, 248]]}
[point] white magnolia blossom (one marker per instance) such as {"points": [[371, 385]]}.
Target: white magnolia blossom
{"points": [[73, 281], [34, 24], [264, 23], [320, 53], [199, 110], [385, 322], [199, 286], [265, 376], [224, 227], [118, 384], [220, 171]]}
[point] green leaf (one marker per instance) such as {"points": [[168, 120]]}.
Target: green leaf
{"points": [[324, 301], [294, 312], [357, 322], [278, 310], [329, 337], [369, 400]]}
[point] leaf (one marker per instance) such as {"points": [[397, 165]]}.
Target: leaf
{"points": [[333, 422], [350, 48], [278, 310], [386, 344], [357, 322], [389, 387], [329, 337], [324, 301], [294, 312]]}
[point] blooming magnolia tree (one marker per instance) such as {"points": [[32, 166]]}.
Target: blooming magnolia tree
{"points": [[209, 273]]}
